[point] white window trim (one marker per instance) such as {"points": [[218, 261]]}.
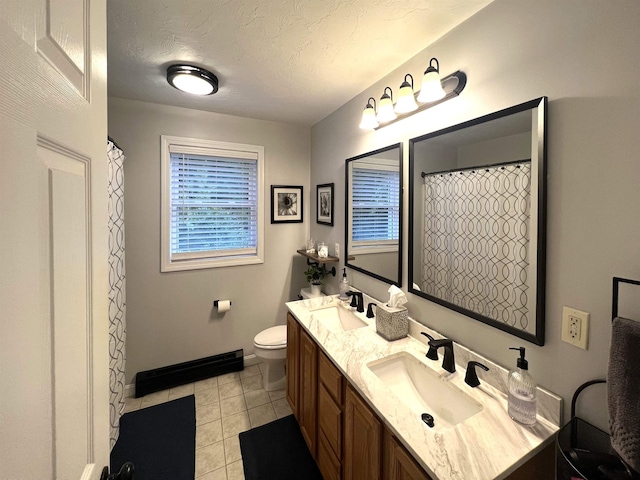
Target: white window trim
{"points": [[363, 247], [185, 262]]}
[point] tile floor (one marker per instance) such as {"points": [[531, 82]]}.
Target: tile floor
{"points": [[225, 406]]}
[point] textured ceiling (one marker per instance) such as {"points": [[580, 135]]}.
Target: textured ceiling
{"points": [[293, 61]]}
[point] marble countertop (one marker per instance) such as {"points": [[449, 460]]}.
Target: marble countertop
{"points": [[486, 446]]}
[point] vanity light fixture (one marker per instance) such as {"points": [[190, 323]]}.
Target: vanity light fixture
{"points": [[431, 86], [406, 100], [190, 79], [369, 121], [385, 109], [433, 91]]}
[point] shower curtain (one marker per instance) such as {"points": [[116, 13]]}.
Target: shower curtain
{"points": [[476, 236], [117, 324]]}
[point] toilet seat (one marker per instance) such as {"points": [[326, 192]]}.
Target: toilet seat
{"points": [[272, 338]]}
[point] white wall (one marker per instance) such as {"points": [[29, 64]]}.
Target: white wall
{"points": [[582, 54], [170, 316]]}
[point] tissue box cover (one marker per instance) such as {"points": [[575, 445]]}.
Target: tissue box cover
{"points": [[392, 323]]}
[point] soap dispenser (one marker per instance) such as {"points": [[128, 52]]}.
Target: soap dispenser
{"points": [[344, 285], [522, 392]]}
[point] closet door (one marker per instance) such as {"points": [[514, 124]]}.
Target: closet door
{"points": [[53, 237]]}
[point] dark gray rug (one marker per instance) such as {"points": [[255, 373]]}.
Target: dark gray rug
{"points": [[277, 450], [159, 440]]}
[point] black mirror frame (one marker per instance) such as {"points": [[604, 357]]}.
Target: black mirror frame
{"points": [[541, 104], [390, 281]]}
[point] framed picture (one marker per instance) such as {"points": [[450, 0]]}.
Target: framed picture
{"points": [[286, 204], [324, 194]]}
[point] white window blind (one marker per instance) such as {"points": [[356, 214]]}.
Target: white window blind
{"points": [[211, 204], [375, 206]]}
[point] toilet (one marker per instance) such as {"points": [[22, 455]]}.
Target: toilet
{"points": [[271, 348]]}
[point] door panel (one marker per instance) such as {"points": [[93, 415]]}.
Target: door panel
{"points": [[54, 256]]}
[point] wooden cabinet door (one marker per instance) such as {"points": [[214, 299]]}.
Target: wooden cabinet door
{"points": [[308, 390], [293, 365], [398, 463], [362, 440]]}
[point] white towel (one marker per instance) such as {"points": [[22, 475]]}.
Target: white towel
{"points": [[623, 390]]}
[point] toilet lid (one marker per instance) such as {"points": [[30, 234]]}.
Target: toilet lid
{"points": [[272, 337]]}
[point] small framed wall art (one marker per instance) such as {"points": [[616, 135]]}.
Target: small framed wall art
{"points": [[324, 194], [286, 204]]}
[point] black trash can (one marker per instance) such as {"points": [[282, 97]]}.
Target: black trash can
{"points": [[584, 452]]}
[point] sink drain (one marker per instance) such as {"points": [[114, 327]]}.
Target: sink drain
{"points": [[428, 419]]}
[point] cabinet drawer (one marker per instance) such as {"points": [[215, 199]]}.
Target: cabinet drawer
{"points": [[331, 377], [330, 420], [328, 464]]}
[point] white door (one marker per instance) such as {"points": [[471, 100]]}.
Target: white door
{"points": [[54, 380]]}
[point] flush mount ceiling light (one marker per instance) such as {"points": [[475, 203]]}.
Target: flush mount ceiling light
{"points": [[190, 79], [433, 92], [369, 121], [406, 101]]}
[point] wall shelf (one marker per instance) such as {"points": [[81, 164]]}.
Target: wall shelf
{"points": [[314, 257]]}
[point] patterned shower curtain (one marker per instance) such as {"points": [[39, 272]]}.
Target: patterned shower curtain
{"points": [[117, 323], [476, 237]]}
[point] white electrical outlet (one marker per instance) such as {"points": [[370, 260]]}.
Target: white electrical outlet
{"points": [[336, 250], [575, 327]]}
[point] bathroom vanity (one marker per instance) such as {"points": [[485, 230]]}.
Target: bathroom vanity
{"points": [[359, 425]]}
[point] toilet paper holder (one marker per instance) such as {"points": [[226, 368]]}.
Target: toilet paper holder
{"points": [[215, 303]]}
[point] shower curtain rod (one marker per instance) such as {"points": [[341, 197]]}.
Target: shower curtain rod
{"points": [[479, 167]]}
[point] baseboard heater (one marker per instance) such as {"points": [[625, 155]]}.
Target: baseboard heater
{"points": [[182, 373]]}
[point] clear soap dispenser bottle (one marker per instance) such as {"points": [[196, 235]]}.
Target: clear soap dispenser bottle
{"points": [[344, 285], [522, 387]]}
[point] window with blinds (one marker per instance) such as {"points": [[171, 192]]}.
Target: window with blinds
{"points": [[375, 207], [212, 204]]}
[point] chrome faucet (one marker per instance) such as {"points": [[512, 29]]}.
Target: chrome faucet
{"points": [[448, 362], [357, 300]]}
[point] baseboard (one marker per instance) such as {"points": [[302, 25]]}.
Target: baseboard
{"points": [[251, 360], [188, 372], [129, 390]]}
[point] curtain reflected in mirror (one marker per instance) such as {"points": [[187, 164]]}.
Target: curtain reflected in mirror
{"points": [[374, 214], [477, 204]]}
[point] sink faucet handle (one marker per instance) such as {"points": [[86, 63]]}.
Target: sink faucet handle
{"points": [[432, 354], [370, 309], [471, 377]]}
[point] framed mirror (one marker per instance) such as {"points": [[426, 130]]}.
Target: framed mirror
{"points": [[373, 216], [477, 215]]}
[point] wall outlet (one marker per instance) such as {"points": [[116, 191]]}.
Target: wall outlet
{"points": [[336, 250], [575, 327]]}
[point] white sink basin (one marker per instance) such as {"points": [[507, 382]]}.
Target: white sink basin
{"points": [[423, 390], [338, 319]]}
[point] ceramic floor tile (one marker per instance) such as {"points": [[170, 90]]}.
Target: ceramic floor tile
{"points": [[207, 413], [250, 371], [252, 383], [154, 398], [219, 474], [235, 471], [209, 458], [132, 404], [232, 405], [208, 433], [277, 394], [282, 408], [232, 451], [235, 424], [261, 415], [256, 398], [231, 389], [206, 383], [228, 377], [181, 391], [209, 395]]}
